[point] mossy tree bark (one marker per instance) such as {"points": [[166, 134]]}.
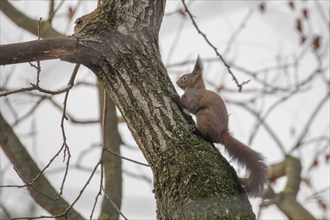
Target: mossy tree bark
{"points": [[191, 179], [119, 43]]}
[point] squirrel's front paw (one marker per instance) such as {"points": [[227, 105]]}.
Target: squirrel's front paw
{"points": [[176, 98]]}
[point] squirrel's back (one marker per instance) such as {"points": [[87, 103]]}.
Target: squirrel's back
{"points": [[212, 116]]}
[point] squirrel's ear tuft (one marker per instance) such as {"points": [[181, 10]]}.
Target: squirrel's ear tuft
{"points": [[198, 65]]}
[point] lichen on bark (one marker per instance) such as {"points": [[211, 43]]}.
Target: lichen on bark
{"points": [[191, 179]]}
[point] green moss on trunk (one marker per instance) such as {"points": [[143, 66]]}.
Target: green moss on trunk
{"points": [[191, 179]]}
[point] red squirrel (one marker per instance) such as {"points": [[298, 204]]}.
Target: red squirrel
{"points": [[212, 125]]}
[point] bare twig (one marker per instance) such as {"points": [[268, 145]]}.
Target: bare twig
{"points": [[238, 30], [28, 89], [322, 14], [27, 23], [32, 181], [239, 85], [280, 101], [253, 74], [81, 192], [140, 176], [100, 189], [53, 10], [28, 113], [266, 126], [309, 122], [70, 116], [114, 205], [41, 191], [38, 88], [66, 147], [175, 40], [39, 25], [125, 158], [104, 121]]}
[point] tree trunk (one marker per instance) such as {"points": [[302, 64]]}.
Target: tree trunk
{"points": [[119, 43], [191, 179], [111, 162]]}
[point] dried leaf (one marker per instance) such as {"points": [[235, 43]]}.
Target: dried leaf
{"points": [[291, 4], [69, 13], [307, 182], [302, 39], [322, 204], [182, 12], [315, 163], [305, 13], [262, 7], [299, 25], [316, 42]]}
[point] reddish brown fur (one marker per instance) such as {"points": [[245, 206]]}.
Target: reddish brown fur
{"points": [[212, 123]]}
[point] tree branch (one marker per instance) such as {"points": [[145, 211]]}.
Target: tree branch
{"points": [[28, 170], [286, 200], [60, 48], [25, 22], [112, 164]]}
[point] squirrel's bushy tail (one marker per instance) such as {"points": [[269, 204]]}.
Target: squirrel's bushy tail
{"points": [[251, 160]]}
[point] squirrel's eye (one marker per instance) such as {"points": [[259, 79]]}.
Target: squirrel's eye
{"points": [[184, 78]]}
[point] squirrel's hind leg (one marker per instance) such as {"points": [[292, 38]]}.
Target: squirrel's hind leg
{"points": [[193, 129]]}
